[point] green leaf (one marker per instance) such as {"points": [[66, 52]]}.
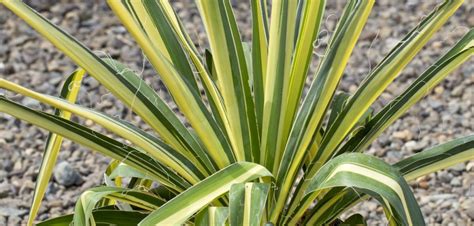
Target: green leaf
{"points": [[68, 92], [147, 25], [232, 76], [336, 107], [178, 210], [423, 163], [151, 109], [354, 220], [88, 200], [277, 81], [247, 203], [373, 176], [311, 16], [437, 158], [460, 53], [212, 216], [382, 75], [102, 217], [259, 57], [124, 170], [151, 145], [313, 109], [96, 141]]}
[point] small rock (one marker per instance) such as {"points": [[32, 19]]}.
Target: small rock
{"points": [[14, 220], [439, 90], [414, 146], [65, 174], [403, 135], [29, 102], [5, 189], [458, 167], [456, 182], [424, 184], [468, 206], [445, 177], [457, 91], [10, 211], [7, 135], [470, 166], [435, 104]]}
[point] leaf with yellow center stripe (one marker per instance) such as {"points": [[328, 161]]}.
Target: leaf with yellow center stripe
{"points": [[232, 77], [247, 203], [374, 177], [280, 51], [179, 209], [308, 121], [88, 200], [146, 27], [212, 216], [423, 163]]}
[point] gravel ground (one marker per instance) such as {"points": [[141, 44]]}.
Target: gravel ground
{"points": [[446, 197]]}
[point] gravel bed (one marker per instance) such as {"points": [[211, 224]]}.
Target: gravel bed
{"points": [[446, 197]]}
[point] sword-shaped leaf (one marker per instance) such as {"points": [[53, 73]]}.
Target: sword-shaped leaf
{"points": [[68, 92], [183, 206], [98, 142], [146, 103], [89, 199], [101, 217], [151, 145], [247, 203], [232, 76], [310, 116], [212, 216], [148, 23], [374, 177], [423, 163]]}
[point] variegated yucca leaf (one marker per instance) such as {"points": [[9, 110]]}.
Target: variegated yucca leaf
{"points": [[258, 150], [69, 92], [423, 163], [101, 216], [212, 216], [151, 145], [88, 200], [247, 202], [370, 175], [179, 209], [97, 142]]}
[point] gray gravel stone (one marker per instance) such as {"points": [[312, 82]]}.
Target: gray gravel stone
{"points": [[66, 175]]}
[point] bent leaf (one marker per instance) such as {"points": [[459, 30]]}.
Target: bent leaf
{"points": [[373, 176], [423, 163], [88, 200], [183, 206]]}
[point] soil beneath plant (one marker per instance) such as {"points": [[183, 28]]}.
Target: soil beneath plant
{"points": [[445, 197]]}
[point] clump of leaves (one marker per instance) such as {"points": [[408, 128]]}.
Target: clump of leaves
{"points": [[258, 151]]}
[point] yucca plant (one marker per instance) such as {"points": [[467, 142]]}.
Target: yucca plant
{"points": [[257, 150]]}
